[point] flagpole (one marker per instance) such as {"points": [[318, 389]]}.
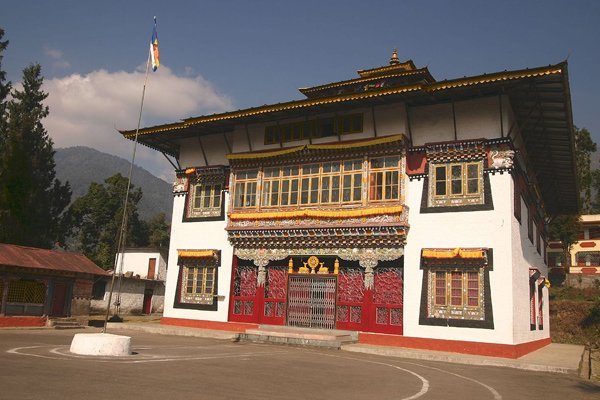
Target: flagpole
{"points": [[122, 233]]}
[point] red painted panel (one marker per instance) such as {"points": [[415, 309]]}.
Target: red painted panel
{"points": [[415, 163], [587, 244], [454, 346], [6, 322], [589, 270]]}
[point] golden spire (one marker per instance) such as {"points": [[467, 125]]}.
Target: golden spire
{"points": [[394, 60]]}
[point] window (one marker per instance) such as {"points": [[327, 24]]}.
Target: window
{"points": [[588, 258], [456, 288], [204, 199], [316, 128], [26, 291], [554, 259], [198, 284], [384, 179], [245, 188], [310, 184], [456, 293], [456, 184], [197, 281], [99, 290]]}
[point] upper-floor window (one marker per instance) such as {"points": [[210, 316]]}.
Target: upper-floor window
{"points": [[315, 128], [205, 200], [245, 188], [458, 183], [204, 197], [343, 182], [311, 184], [384, 179]]}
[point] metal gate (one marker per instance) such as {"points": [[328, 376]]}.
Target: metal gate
{"points": [[311, 301]]}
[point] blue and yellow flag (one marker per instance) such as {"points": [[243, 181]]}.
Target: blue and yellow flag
{"points": [[154, 48]]}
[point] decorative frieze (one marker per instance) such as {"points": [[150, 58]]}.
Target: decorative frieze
{"points": [[368, 258]]}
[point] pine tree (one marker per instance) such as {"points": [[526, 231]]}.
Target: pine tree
{"points": [[5, 87], [32, 200]]}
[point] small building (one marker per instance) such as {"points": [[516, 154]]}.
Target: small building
{"points": [[585, 254], [409, 209], [39, 283], [141, 288]]}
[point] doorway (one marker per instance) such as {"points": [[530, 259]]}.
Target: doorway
{"points": [[311, 301]]}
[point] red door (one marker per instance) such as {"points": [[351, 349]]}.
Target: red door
{"points": [[147, 305], [245, 300], [59, 298], [386, 309], [351, 307], [275, 296], [151, 268]]}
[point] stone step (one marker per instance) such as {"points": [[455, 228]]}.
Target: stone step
{"points": [[64, 323], [326, 338]]}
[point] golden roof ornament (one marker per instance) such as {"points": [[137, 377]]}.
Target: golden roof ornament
{"points": [[394, 60]]}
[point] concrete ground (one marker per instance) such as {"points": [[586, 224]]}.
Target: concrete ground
{"points": [[556, 357], [37, 364]]}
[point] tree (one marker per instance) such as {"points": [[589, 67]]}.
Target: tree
{"points": [[584, 148], [566, 229], [97, 218], [158, 231], [32, 200], [5, 87]]}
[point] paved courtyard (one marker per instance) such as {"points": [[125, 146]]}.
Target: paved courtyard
{"points": [[37, 364]]}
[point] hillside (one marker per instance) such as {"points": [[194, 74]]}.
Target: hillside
{"points": [[83, 165]]}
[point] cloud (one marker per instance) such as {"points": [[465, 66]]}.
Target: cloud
{"points": [[87, 110], [58, 59]]}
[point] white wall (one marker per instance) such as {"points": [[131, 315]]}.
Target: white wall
{"points": [[488, 229], [201, 236], [524, 257], [137, 263], [475, 119]]}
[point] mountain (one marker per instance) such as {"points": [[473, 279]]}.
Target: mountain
{"points": [[83, 165]]}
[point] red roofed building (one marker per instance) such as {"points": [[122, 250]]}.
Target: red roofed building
{"points": [[40, 283]]}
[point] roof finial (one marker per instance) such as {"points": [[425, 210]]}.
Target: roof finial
{"points": [[394, 60]]}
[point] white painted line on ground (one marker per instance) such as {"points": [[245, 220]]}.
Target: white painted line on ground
{"points": [[496, 395], [424, 385]]}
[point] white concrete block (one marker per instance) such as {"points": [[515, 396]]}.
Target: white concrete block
{"points": [[101, 344]]}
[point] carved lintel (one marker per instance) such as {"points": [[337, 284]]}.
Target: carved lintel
{"points": [[368, 258]]}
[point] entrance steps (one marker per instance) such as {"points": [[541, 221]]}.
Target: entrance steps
{"points": [[63, 323], [289, 335]]}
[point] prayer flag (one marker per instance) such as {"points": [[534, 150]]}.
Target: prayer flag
{"points": [[154, 48]]}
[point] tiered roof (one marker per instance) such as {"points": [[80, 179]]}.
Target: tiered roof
{"points": [[540, 99]]}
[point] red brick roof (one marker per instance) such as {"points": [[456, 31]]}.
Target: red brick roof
{"points": [[31, 257]]}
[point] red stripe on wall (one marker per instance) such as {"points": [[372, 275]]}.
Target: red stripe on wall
{"points": [[454, 346], [19, 322], [221, 326]]}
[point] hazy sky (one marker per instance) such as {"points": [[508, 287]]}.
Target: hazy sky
{"points": [[224, 55]]}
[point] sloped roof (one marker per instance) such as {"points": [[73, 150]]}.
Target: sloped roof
{"points": [[52, 260], [540, 98]]}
